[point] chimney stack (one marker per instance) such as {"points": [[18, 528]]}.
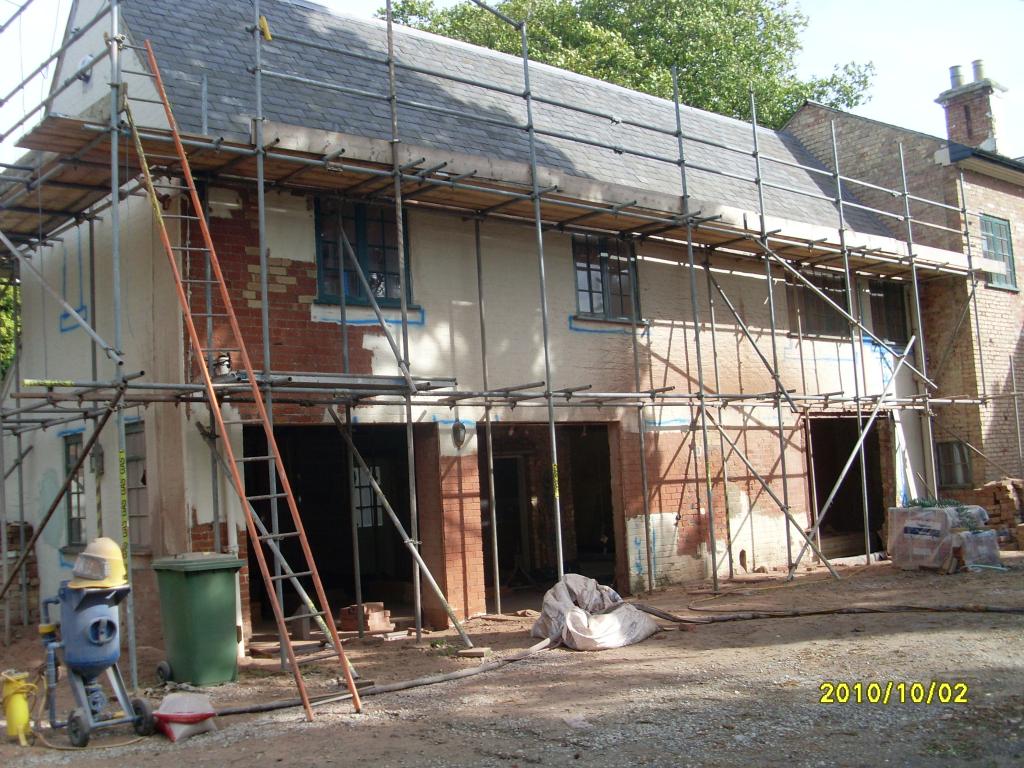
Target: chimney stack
{"points": [[969, 107]]}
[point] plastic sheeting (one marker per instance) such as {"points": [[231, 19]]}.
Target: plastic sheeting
{"points": [[587, 616], [924, 537]]}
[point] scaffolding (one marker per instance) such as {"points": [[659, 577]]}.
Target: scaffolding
{"points": [[78, 173]]}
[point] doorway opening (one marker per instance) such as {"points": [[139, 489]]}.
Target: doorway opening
{"points": [[842, 532], [316, 460]]}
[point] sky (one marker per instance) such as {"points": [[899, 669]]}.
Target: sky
{"points": [[912, 44]]}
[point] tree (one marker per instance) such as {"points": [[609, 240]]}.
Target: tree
{"points": [[8, 326], [722, 48]]}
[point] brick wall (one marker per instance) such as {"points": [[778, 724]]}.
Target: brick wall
{"points": [[448, 499], [676, 487], [868, 151], [969, 118], [955, 357], [297, 342], [1002, 499]]}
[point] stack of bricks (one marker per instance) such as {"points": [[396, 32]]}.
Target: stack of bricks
{"points": [[1001, 499], [375, 618], [16, 533]]}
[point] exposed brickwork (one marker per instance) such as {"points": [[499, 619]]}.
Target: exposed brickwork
{"points": [[1002, 499], [448, 499], [297, 342], [969, 118]]}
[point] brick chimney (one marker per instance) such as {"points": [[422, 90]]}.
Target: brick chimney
{"points": [[970, 117]]}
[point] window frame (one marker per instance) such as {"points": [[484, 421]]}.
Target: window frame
{"points": [[880, 315], [74, 499], [963, 460], [362, 250], [797, 295], [988, 239], [364, 499], [597, 247], [138, 543]]}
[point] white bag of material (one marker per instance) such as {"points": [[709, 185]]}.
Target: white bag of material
{"points": [[919, 537], [978, 547], [573, 613], [185, 714]]}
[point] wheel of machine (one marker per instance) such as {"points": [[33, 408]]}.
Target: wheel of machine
{"points": [[78, 728], [163, 672], [145, 723]]}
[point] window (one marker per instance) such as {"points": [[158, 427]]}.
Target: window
{"points": [[953, 464], [74, 500], [138, 495], [996, 245], [604, 277], [371, 232], [817, 317], [368, 509], [889, 311]]}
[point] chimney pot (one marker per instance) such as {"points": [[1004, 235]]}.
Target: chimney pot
{"points": [[956, 76], [979, 70]]}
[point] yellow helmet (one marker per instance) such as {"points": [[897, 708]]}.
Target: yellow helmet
{"points": [[99, 565]]}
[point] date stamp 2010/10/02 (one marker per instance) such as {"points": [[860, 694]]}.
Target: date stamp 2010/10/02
{"points": [[892, 692]]}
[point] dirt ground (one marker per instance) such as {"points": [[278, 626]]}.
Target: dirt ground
{"points": [[730, 694]]}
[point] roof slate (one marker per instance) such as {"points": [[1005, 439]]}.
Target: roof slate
{"points": [[196, 37]]}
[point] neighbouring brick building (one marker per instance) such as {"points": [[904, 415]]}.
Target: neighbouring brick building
{"points": [[971, 345], [624, 306]]}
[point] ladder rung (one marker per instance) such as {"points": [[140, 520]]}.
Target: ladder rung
{"points": [[242, 421], [296, 575], [143, 98], [279, 536], [201, 282], [210, 314], [298, 616], [219, 349], [267, 497], [188, 248], [138, 72], [256, 458], [179, 216], [175, 187]]}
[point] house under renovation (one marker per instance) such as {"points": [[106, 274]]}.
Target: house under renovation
{"points": [[401, 319]]}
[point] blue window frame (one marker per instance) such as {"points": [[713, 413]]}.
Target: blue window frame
{"points": [[371, 231], [605, 277], [996, 244]]}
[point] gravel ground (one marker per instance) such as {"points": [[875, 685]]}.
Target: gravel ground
{"points": [[736, 693]]}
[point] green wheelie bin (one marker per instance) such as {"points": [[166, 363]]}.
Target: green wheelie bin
{"points": [[197, 611]]}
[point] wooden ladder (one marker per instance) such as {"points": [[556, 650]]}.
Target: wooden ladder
{"points": [[264, 541]]}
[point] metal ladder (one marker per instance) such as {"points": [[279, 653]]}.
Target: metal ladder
{"points": [[262, 539]]}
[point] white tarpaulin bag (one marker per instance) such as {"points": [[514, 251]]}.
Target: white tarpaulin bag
{"points": [[574, 612]]}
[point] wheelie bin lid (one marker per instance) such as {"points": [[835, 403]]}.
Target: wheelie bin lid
{"points": [[198, 561]]}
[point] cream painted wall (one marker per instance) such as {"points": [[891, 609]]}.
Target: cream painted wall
{"points": [[90, 99]]}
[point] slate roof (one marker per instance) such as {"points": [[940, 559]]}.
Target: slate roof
{"points": [[193, 37]]}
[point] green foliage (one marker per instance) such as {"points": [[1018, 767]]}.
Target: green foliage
{"points": [[8, 326], [721, 47]]}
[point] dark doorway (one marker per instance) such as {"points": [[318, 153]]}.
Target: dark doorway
{"points": [[842, 532], [510, 502], [592, 501], [524, 511], [316, 461]]}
